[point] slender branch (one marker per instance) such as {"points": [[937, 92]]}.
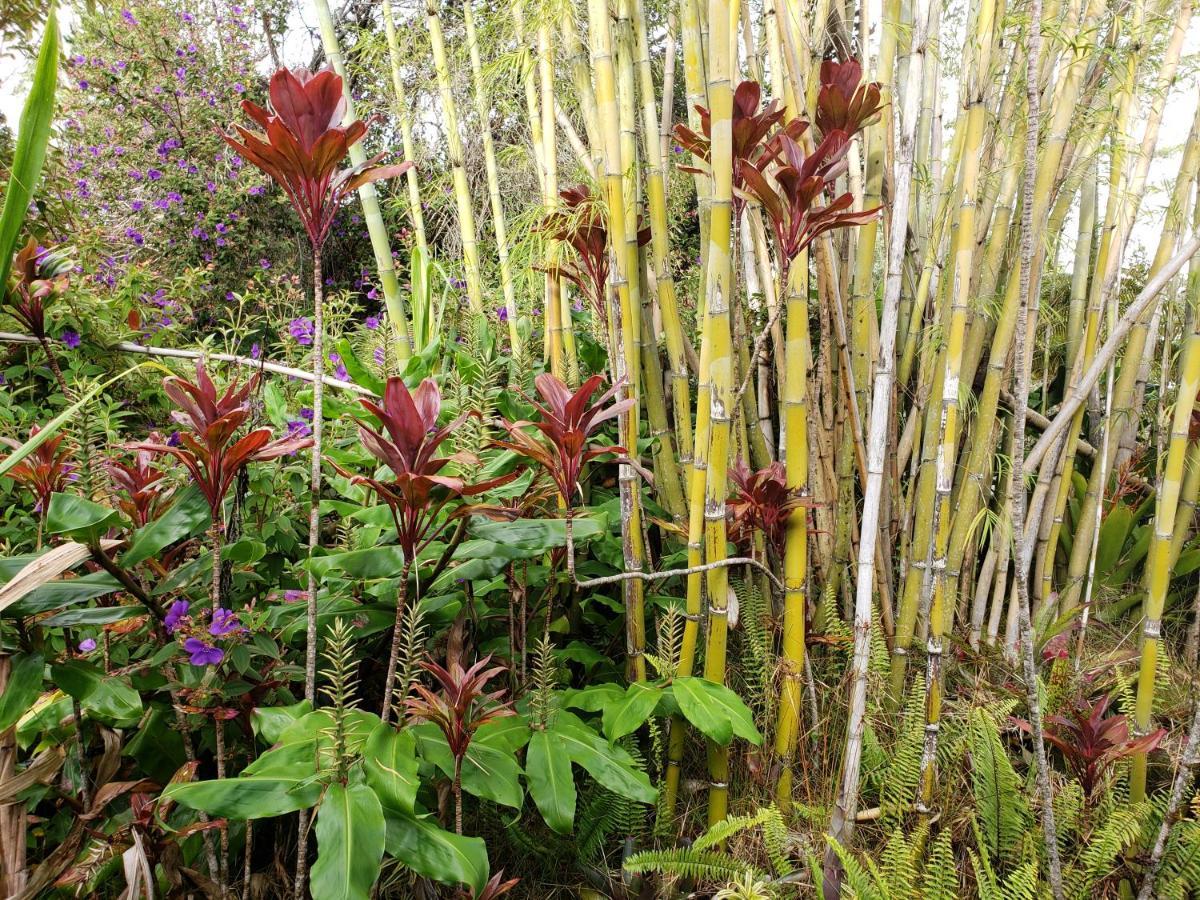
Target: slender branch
{"points": [[672, 573], [129, 583]]}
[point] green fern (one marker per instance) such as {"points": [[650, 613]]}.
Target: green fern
{"points": [[1003, 815], [1180, 874], [940, 878]]}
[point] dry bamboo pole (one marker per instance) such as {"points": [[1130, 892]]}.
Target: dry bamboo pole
{"points": [[500, 229], [664, 282], [623, 333], [844, 810], [454, 149], [723, 20], [412, 177], [1089, 198], [376, 228], [1158, 564]]}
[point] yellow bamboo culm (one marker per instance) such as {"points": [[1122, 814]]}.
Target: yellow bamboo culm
{"points": [[412, 176], [462, 191], [723, 19], [625, 325]]}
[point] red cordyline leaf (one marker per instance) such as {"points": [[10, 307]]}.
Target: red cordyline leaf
{"points": [[762, 502], [209, 451], [146, 492], [45, 471], [800, 183], [305, 143], [38, 277], [753, 141], [406, 444], [843, 104], [582, 222], [462, 706], [567, 421], [1091, 741], [496, 886]]}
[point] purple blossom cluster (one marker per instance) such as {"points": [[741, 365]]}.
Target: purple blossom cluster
{"points": [[200, 642]]}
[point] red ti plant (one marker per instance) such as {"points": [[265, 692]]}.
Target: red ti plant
{"points": [[762, 502], [1091, 741], [419, 492], [39, 277], [582, 223], [567, 421], [208, 449], [461, 708], [43, 472], [145, 492], [845, 104], [302, 150]]}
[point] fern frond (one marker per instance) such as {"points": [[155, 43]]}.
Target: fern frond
{"points": [[689, 863]]}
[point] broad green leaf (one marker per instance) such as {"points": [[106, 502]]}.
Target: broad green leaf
{"points": [[104, 695], [65, 592], [30, 151], [269, 722], [612, 766], [714, 709], [24, 685], [435, 853], [596, 698], [98, 615], [79, 519], [186, 517], [350, 837], [551, 784], [487, 772], [390, 759], [157, 745], [1114, 532], [378, 562], [627, 715], [250, 796], [509, 733], [244, 552], [356, 370]]}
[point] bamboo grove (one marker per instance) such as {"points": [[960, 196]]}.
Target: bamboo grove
{"points": [[900, 306], [855, 338]]}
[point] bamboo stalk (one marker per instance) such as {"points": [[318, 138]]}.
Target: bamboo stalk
{"points": [[406, 133]]}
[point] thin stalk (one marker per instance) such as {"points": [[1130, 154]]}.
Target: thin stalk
{"points": [[412, 178]]}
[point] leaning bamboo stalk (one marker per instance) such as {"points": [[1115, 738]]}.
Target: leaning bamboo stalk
{"points": [[880, 419], [499, 227], [454, 149], [367, 195], [723, 19], [406, 132]]}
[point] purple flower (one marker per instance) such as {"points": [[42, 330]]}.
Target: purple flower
{"points": [[173, 440], [502, 313], [137, 205], [302, 330], [294, 596], [239, 88], [255, 351], [224, 621], [372, 322], [265, 263], [203, 654], [87, 645], [297, 428], [70, 338], [153, 174], [306, 413], [178, 611], [128, 17], [380, 356], [341, 373]]}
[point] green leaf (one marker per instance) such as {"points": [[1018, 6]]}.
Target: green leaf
{"points": [[30, 152], [714, 709], [377, 562], [24, 685], [350, 830], [79, 519], [435, 853], [68, 592], [269, 722], [249, 797], [551, 784], [509, 733], [356, 370], [612, 766], [104, 695], [596, 698], [627, 715], [99, 615], [187, 516], [390, 759], [487, 772]]}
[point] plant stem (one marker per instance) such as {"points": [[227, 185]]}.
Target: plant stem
{"points": [[389, 681], [314, 509]]}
